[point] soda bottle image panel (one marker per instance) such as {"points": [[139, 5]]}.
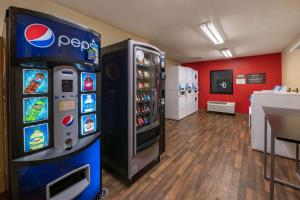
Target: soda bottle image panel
{"points": [[88, 103], [36, 137], [88, 124], [93, 52], [35, 81], [35, 109], [88, 82]]}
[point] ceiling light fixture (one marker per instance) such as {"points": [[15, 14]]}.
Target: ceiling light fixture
{"points": [[226, 53], [210, 30]]}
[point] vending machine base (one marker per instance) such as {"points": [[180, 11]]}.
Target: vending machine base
{"points": [[75, 177], [138, 175]]}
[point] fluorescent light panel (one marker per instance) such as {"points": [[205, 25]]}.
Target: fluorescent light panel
{"points": [[210, 30], [226, 53]]}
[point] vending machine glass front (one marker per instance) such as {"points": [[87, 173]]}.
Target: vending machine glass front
{"points": [[147, 88]]}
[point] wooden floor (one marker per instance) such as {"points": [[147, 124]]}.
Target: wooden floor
{"points": [[207, 156]]}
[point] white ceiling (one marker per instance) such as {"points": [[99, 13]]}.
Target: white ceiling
{"points": [[249, 27]]}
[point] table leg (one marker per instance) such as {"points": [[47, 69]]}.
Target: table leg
{"points": [[265, 147], [272, 166]]}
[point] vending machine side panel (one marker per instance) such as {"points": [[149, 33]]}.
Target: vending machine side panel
{"points": [[115, 109], [8, 46], [3, 111]]}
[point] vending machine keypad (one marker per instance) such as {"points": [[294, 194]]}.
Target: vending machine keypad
{"points": [[65, 107]]}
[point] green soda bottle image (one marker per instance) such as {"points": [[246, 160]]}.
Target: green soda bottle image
{"points": [[36, 140], [35, 110]]}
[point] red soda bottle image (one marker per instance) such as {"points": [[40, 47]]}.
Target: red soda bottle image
{"points": [[88, 82]]}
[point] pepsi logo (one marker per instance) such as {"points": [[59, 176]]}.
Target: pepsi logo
{"points": [[68, 120], [39, 35]]}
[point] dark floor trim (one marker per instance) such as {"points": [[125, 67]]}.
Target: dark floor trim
{"points": [[3, 195], [221, 113]]}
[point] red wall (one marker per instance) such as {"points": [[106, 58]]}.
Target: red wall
{"points": [[269, 64]]}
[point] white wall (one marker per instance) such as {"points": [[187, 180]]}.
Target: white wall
{"points": [[291, 66]]}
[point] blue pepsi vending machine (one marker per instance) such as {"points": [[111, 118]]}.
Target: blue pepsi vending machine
{"points": [[52, 107]]}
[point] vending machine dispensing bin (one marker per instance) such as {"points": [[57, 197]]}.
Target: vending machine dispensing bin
{"points": [[51, 107]]}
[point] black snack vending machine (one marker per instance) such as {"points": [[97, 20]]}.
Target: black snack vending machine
{"points": [[133, 101], [51, 107]]}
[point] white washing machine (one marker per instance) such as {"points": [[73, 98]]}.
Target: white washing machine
{"points": [[176, 92], [175, 105]]}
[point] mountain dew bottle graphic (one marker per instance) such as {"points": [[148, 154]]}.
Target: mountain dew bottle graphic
{"points": [[35, 110], [36, 140]]}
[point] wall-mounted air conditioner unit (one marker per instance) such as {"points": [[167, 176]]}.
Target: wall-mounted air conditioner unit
{"points": [[221, 106]]}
